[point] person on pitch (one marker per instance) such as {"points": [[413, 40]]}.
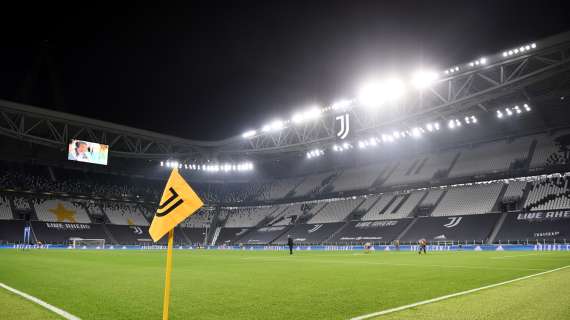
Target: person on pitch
{"points": [[290, 244], [422, 243]]}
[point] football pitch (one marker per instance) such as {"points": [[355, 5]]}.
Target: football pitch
{"points": [[273, 285]]}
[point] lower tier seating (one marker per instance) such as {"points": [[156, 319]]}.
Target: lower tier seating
{"points": [[383, 231], [457, 228]]}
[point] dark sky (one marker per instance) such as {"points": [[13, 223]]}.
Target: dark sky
{"points": [[210, 70]]}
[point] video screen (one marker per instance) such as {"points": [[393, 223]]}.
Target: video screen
{"points": [[85, 151]]}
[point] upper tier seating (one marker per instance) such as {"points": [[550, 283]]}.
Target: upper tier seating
{"points": [[549, 194], [336, 211], [281, 188], [311, 184], [490, 157], [421, 168], [550, 150], [472, 199], [358, 178], [61, 211], [247, 217], [5, 211], [124, 214], [200, 219]]}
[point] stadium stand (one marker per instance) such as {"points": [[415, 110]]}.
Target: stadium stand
{"points": [[550, 150], [469, 228], [370, 231], [247, 217], [515, 191], [490, 157], [312, 184], [200, 219], [229, 236], [11, 231], [124, 214], [60, 232], [549, 194], [471, 199], [280, 189], [421, 168], [5, 210], [535, 227], [309, 233], [263, 235], [357, 178], [336, 211], [376, 212], [61, 211]]}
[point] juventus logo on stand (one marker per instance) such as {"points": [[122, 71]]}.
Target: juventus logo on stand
{"points": [[161, 208], [344, 126], [453, 223]]}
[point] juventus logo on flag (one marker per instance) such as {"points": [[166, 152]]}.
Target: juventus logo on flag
{"points": [[178, 202], [344, 126], [160, 212]]}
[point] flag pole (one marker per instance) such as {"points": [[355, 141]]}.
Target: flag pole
{"points": [[167, 278]]}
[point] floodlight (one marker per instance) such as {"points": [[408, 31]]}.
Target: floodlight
{"points": [[341, 104], [249, 134], [456, 68], [429, 127], [416, 133], [509, 112], [471, 64], [297, 118], [375, 93], [526, 107], [266, 128], [451, 124], [505, 54], [276, 125], [483, 60], [474, 119], [516, 50], [467, 120], [511, 52], [422, 79], [499, 114], [162, 163], [436, 126], [527, 47], [533, 45], [458, 123]]}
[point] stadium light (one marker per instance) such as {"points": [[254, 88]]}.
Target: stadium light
{"points": [[423, 79], [416, 133], [341, 104], [249, 134], [499, 114], [526, 107], [375, 93], [311, 114]]}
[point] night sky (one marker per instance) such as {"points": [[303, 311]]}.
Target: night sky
{"points": [[212, 70]]}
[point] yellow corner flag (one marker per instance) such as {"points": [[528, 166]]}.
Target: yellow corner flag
{"points": [[178, 202]]}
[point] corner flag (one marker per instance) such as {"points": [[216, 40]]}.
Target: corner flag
{"points": [[178, 202]]}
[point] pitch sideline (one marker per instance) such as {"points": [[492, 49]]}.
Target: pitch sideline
{"points": [[453, 295], [42, 303]]}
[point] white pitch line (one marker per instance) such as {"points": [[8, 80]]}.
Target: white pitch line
{"points": [[453, 295], [413, 265], [518, 255], [42, 303]]}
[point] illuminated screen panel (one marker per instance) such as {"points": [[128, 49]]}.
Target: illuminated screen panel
{"points": [[85, 151]]}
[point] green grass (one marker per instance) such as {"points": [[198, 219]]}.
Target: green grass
{"points": [[273, 285]]}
